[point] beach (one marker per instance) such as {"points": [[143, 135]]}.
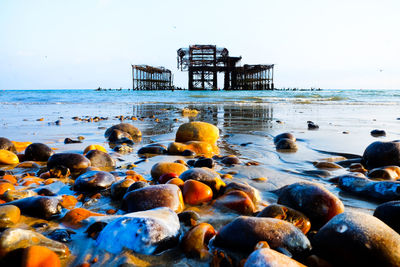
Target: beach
{"points": [[247, 123]]}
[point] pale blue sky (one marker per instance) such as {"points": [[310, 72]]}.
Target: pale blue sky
{"points": [[52, 44]]}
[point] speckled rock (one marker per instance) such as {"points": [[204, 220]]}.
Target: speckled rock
{"points": [[358, 239], [145, 232]]}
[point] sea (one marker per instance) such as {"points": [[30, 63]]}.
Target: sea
{"points": [[332, 96]]}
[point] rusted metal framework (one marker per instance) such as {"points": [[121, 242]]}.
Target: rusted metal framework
{"points": [[203, 62], [151, 78], [254, 77]]}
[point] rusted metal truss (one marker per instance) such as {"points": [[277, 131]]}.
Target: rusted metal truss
{"points": [[203, 62], [151, 78]]}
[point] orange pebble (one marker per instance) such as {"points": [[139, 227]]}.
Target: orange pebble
{"points": [[238, 201], [38, 256], [10, 178], [111, 211], [74, 217], [195, 241], [31, 180], [50, 181], [2, 201], [68, 201], [5, 187], [176, 181], [134, 176], [195, 192]]}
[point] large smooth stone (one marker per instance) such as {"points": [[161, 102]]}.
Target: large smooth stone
{"points": [[316, 202], [195, 241], [284, 136], [9, 215], [150, 197], [15, 238], [204, 175], [286, 145], [197, 131], [8, 158], [6, 144], [118, 136], [161, 168], [73, 161], [244, 233], [38, 152], [124, 127], [38, 206], [380, 154], [100, 159], [266, 257], [389, 213], [94, 181], [358, 239], [145, 232]]}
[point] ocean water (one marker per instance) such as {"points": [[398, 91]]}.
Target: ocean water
{"points": [[359, 96]]}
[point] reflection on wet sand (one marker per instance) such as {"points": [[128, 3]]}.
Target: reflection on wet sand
{"points": [[229, 118]]}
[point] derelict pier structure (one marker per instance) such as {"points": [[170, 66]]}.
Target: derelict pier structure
{"points": [[204, 62], [151, 78]]}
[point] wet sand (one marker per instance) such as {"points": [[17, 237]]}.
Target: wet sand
{"points": [[247, 131]]}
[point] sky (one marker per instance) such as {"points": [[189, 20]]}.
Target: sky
{"points": [[85, 44]]}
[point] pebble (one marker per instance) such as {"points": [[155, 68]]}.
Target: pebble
{"points": [[369, 241], [8, 158], [145, 232], [38, 152], [150, 197], [197, 131], [243, 233], [316, 202], [94, 181]]}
